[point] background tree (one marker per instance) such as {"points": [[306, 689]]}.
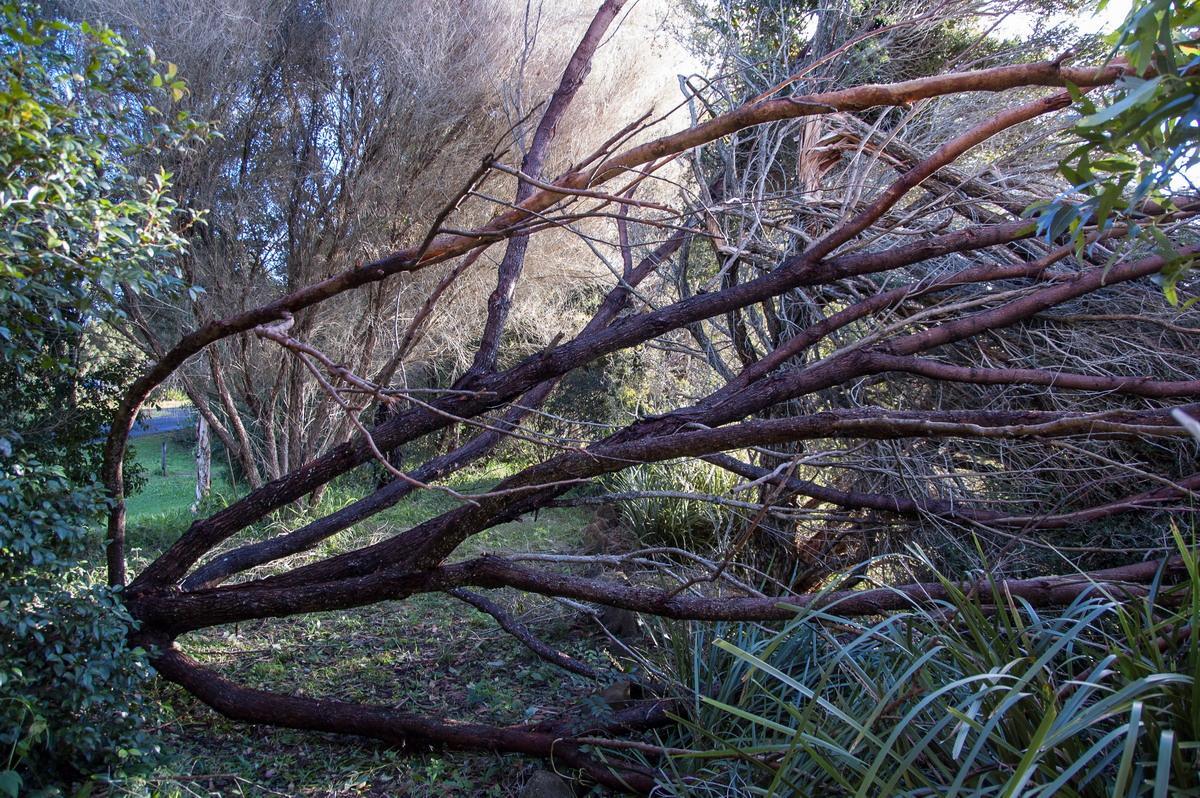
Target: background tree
{"points": [[340, 143], [328, 124]]}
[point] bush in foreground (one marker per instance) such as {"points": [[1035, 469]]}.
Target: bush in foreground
{"points": [[976, 695], [71, 701]]}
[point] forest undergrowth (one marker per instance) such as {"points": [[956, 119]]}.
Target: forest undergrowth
{"points": [[975, 695], [450, 657]]}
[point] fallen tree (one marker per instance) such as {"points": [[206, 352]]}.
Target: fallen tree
{"points": [[903, 359]]}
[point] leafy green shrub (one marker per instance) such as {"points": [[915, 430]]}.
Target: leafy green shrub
{"points": [[80, 232], [976, 696], [79, 229], [71, 701]]}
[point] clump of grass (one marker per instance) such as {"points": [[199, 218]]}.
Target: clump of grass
{"points": [[976, 696], [682, 513]]}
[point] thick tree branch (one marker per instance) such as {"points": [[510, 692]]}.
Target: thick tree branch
{"points": [[997, 79], [178, 613], [428, 543], [403, 729]]}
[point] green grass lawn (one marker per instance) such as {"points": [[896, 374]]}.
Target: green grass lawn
{"points": [[161, 510], [174, 491]]}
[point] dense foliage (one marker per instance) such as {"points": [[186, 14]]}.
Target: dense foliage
{"points": [[975, 695], [1135, 151], [77, 231], [71, 689]]}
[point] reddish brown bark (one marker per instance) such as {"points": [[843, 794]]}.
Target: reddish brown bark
{"points": [[507, 224], [402, 729]]}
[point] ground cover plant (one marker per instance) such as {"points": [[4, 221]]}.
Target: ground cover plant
{"points": [[844, 286], [976, 694]]}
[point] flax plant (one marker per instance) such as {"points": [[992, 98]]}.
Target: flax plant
{"points": [[977, 695]]}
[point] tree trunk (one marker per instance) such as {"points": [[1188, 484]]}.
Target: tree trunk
{"points": [[203, 462]]}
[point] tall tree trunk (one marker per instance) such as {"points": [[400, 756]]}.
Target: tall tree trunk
{"points": [[203, 462]]}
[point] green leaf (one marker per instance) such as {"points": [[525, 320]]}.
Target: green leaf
{"points": [[10, 783], [1139, 95], [1124, 771], [1162, 769]]}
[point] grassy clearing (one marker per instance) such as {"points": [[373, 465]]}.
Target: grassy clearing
{"points": [[176, 490], [430, 654]]}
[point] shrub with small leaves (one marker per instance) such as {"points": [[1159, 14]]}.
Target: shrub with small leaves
{"points": [[1141, 146], [81, 231], [71, 700]]}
